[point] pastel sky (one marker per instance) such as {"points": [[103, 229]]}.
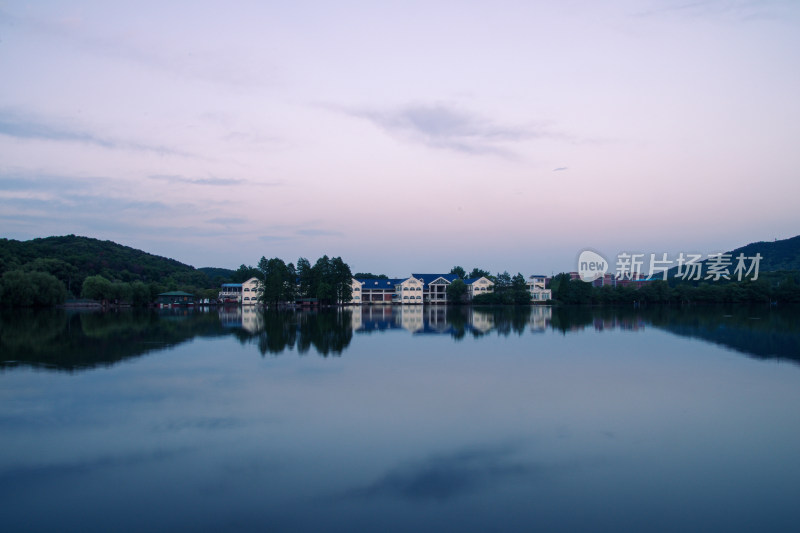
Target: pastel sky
{"points": [[403, 136]]}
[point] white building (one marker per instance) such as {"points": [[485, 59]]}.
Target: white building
{"points": [[356, 291], [536, 285], [409, 291], [246, 293], [478, 286]]}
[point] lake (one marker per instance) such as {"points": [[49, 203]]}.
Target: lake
{"points": [[401, 419]]}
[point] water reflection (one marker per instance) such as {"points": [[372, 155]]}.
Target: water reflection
{"points": [[442, 477], [68, 341], [487, 418], [55, 339], [454, 321]]}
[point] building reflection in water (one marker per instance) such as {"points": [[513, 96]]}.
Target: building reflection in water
{"points": [[444, 320], [248, 318]]}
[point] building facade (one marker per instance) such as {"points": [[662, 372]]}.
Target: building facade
{"points": [[247, 293], [478, 286], [537, 286]]}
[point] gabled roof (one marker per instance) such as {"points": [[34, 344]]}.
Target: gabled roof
{"points": [[428, 278], [470, 281]]}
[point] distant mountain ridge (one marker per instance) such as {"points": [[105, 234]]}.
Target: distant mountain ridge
{"points": [[776, 255], [72, 258], [217, 274]]}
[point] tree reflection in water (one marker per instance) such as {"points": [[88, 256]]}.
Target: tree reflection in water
{"points": [[71, 341]]}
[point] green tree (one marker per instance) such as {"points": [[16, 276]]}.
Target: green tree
{"points": [[459, 271], [305, 277], [325, 292], [31, 289], [140, 294], [97, 288], [62, 270], [342, 280], [276, 277], [519, 290], [559, 285], [290, 283], [243, 273], [456, 291], [502, 281], [322, 284], [479, 273]]}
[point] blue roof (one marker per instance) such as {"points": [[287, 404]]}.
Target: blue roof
{"points": [[427, 278], [231, 284], [470, 281], [374, 283]]}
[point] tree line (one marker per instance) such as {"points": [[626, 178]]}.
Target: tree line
{"points": [[47, 272], [328, 280], [780, 287], [507, 290]]}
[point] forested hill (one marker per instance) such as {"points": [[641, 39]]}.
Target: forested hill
{"points": [[71, 259], [218, 275], [778, 257], [775, 255]]}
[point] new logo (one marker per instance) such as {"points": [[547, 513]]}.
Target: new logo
{"points": [[591, 266]]}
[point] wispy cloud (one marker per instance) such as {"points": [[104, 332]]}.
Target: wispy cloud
{"points": [[733, 9], [274, 238], [227, 221], [35, 183], [442, 126], [58, 203], [210, 64], [560, 169], [307, 230], [318, 233], [170, 178], [23, 125]]}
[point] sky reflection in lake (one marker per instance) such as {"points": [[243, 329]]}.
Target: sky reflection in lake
{"points": [[559, 421]]}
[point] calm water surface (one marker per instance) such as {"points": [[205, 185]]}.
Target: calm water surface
{"points": [[392, 419]]}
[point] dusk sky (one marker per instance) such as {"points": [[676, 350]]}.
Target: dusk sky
{"points": [[403, 136]]}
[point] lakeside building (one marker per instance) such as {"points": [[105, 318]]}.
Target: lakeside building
{"points": [[537, 286], [415, 290], [246, 293], [478, 286], [373, 290], [251, 291], [434, 287], [230, 293]]}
